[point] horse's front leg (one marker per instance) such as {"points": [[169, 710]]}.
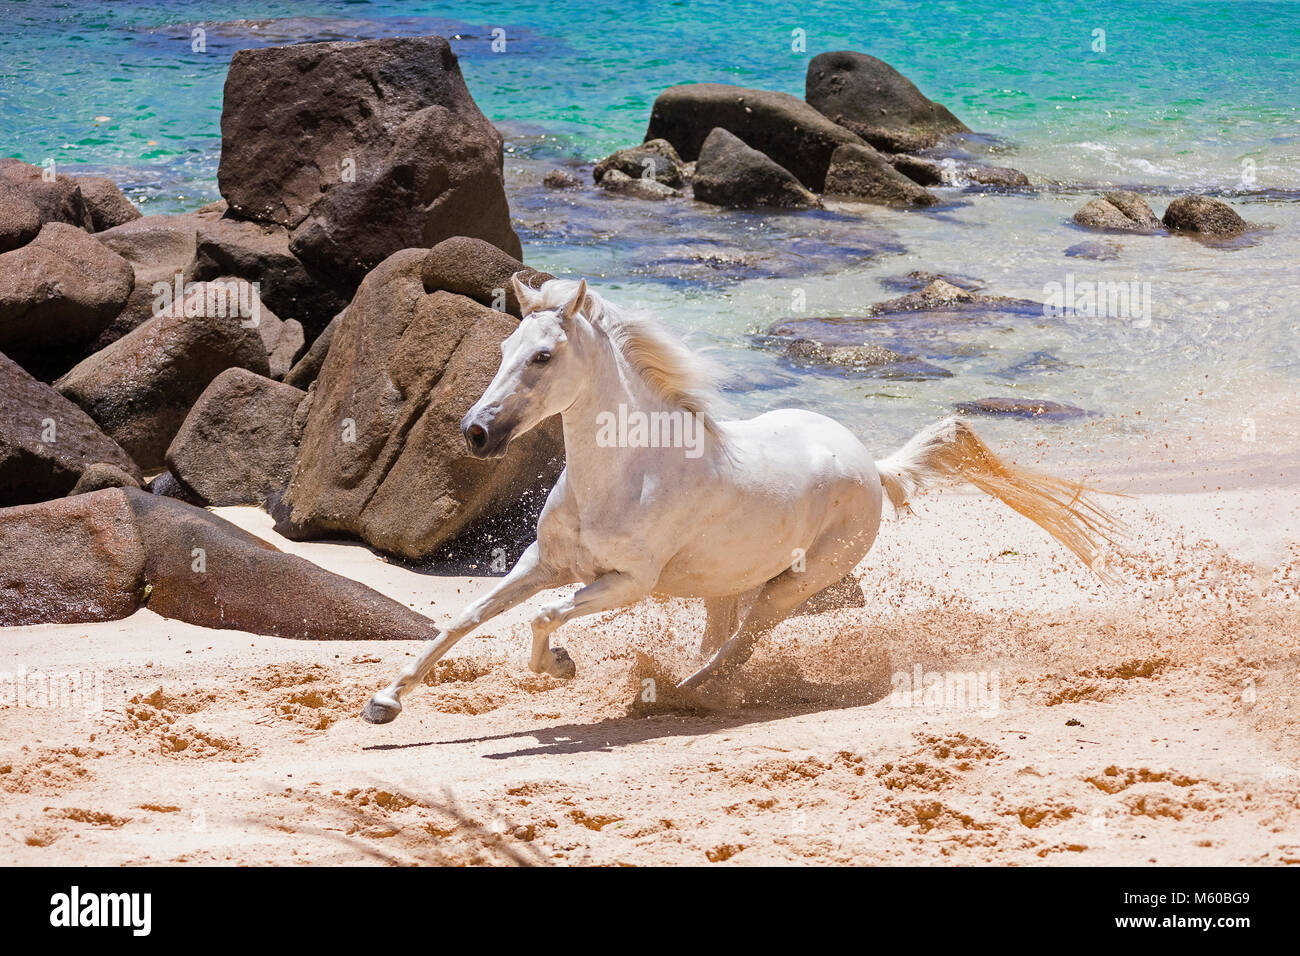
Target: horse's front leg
{"points": [[613, 590], [526, 578]]}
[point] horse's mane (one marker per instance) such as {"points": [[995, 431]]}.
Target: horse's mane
{"points": [[672, 371]]}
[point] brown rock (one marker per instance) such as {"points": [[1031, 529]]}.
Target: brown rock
{"points": [[1119, 211], [239, 442], [140, 388], [102, 475], [259, 252], [871, 98], [382, 456], [1021, 408], [107, 205], [307, 368], [57, 293], [70, 561], [1204, 216], [204, 570], [46, 442], [730, 173], [789, 131], [360, 150], [474, 268]]}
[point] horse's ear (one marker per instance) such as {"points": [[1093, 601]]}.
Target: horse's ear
{"points": [[578, 301], [525, 296]]}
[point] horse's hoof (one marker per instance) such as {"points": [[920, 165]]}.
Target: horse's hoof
{"points": [[563, 666], [381, 710]]}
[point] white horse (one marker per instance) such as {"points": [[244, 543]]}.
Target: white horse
{"points": [[658, 497]]}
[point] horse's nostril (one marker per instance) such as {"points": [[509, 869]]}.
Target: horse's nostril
{"points": [[477, 436]]}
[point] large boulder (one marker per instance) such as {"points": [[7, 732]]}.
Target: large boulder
{"points": [[106, 204], [102, 475], [46, 442], [70, 561], [860, 173], [102, 555], [792, 133], [1118, 211], [141, 387], [57, 293], [259, 252], [1204, 216], [730, 173], [360, 150], [20, 219], [239, 442], [56, 198], [308, 367], [474, 268], [382, 456], [160, 249], [871, 98]]}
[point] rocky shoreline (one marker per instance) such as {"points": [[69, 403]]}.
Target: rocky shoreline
{"points": [[309, 343]]}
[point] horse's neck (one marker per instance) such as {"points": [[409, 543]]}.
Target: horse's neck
{"points": [[614, 388]]}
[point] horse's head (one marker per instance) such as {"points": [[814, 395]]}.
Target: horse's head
{"points": [[540, 375]]}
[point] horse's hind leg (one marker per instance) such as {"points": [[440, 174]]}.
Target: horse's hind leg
{"points": [[525, 579], [721, 615], [825, 564]]}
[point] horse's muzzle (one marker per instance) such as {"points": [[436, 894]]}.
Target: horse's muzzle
{"points": [[485, 441]]}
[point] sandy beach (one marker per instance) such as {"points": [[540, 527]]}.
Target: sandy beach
{"points": [[1150, 723]]}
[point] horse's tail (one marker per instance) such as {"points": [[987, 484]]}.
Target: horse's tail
{"points": [[1066, 510]]}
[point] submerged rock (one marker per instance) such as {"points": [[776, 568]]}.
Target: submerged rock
{"points": [[942, 296], [638, 187], [875, 101], [1119, 211], [730, 173], [1204, 216], [789, 131], [655, 160], [1021, 408], [561, 179]]}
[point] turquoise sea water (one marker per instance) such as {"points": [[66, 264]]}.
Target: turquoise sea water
{"points": [[1187, 95]]}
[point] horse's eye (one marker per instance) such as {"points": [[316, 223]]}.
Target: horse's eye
{"points": [[542, 357]]}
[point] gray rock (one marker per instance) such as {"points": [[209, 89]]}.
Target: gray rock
{"points": [[871, 98], [731, 173], [560, 179], [861, 173], [790, 132], [1205, 217], [1119, 211], [1021, 408]]}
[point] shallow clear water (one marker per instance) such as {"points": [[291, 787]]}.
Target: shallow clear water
{"points": [[1189, 95]]}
